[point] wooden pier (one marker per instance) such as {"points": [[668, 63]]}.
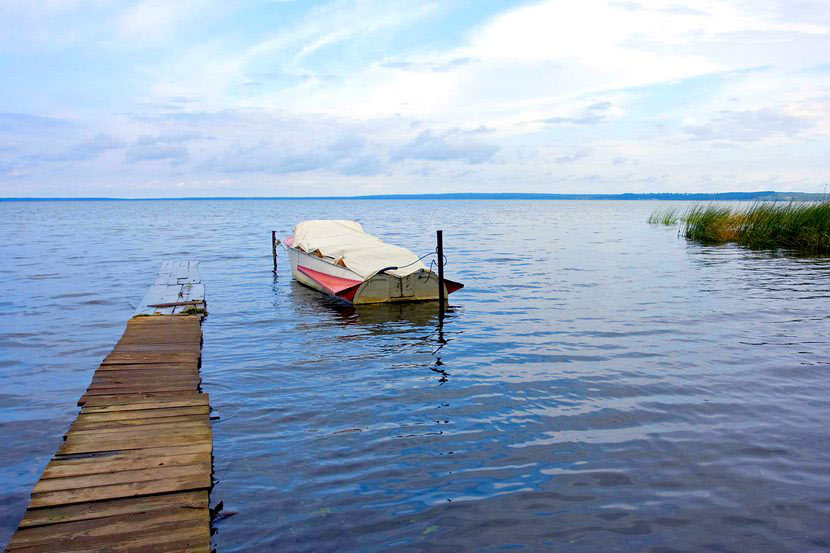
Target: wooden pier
{"points": [[134, 471]]}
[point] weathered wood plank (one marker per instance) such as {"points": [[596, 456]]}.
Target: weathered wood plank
{"points": [[163, 319], [116, 525], [129, 534], [116, 383], [71, 446], [135, 390], [120, 477], [179, 322], [58, 469], [115, 491], [140, 358], [172, 336], [176, 282], [145, 453], [162, 385], [142, 414], [165, 339], [159, 432], [124, 349], [190, 365], [184, 302], [186, 372], [159, 400], [116, 380], [160, 423], [197, 500]]}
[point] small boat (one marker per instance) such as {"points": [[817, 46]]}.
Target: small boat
{"points": [[338, 258]]}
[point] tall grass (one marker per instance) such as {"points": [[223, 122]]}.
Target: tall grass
{"points": [[668, 216], [797, 226]]}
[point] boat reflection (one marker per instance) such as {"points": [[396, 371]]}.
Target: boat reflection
{"points": [[384, 319], [406, 314]]}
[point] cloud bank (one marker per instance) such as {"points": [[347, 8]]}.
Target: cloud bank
{"points": [[335, 97]]}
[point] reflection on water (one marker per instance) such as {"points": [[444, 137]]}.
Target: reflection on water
{"points": [[385, 318], [378, 316], [596, 387]]}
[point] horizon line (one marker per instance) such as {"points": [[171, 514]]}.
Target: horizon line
{"points": [[760, 194]]}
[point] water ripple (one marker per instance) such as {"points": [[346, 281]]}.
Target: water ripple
{"points": [[604, 387]]}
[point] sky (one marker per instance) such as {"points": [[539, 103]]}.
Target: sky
{"points": [[153, 98]]}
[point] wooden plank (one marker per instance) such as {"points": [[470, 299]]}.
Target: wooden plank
{"points": [[142, 414], [160, 386], [161, 331], [120, 477], [116, 524], [135, 454], [190, 383], [140, 358], [132, 489], [120, 378], [143, 423], [191, 365], [119, 382], [102, 437], [70, 446], [166, 338], [103, 509], [164, 319], [134, 391], [179, 303], [160, 432], [58, 469], [178, 383], [160, 400], [140, 530], [147, 368], [160, 293], [170, 348], [99, 381], [187, 324], [176, 282], [193, 273]]}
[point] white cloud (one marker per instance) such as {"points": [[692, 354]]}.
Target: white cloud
{"points": [[344, 91], [151, 20], [447, 146], [747, 125]]}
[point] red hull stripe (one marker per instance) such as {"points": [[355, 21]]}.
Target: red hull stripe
{"points": [[452, 286], [348, 294], [331, 283]]}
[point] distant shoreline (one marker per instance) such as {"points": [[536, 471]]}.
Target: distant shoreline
{"points": [[766, 195]]}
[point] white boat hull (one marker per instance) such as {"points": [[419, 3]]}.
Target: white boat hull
{"points": [[381, 288]]}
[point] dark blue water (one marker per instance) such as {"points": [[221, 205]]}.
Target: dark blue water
{"points": [[601, 384]]}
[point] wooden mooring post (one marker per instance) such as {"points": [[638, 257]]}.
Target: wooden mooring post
{"points": [[135, 468], [274, 248], [439, 235]]}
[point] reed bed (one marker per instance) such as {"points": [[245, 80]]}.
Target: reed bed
{"points": [[668, 216], [801, 226], [797, 226]]}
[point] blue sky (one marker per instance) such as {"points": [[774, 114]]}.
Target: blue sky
{"points": [[153, 98]]}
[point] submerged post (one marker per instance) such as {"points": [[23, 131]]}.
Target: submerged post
{"points": [[274, 248], [440, 250]]}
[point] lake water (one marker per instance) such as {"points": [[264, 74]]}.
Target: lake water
{"points": [[600, 385]]}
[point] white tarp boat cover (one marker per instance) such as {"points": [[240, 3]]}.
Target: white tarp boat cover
{"points": [[349, 245]]}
